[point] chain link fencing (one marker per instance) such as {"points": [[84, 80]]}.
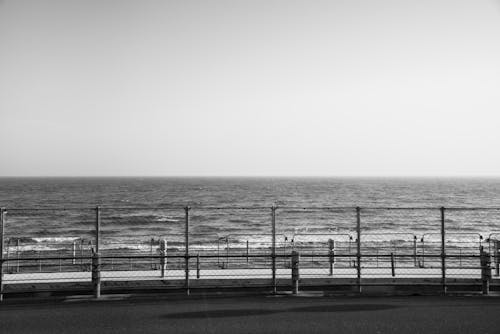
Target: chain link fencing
{"points": [[220, 243], [47, 245]]}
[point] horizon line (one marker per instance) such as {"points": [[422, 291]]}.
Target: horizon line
{"points": [[252, 176]]}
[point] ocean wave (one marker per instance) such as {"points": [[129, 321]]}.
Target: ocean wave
{"points": [[240, 221], [56, 239], [143, 219], [46, 240]]}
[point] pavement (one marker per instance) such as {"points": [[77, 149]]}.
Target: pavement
{"points": [[209, 313]]}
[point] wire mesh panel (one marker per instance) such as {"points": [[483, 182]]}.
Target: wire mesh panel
{"points": [[322, 236], [139, 242], [43, 245], [467, 232], [391, 246], [230, 242], [382, 250], [176, 243], [325, 254]]}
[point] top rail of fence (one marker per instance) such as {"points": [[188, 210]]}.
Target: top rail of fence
{"points": [[281, 207], [162, 207]]}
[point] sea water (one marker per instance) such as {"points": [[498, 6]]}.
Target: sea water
{"points": [[136, 212]]}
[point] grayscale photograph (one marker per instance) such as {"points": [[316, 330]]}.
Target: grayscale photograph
{"points": [[249, 166]]}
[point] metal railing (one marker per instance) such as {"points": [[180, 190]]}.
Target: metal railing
{"points": [[442, 254]]}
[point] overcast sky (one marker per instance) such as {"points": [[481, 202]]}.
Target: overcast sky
{"points": [[354, 87]]}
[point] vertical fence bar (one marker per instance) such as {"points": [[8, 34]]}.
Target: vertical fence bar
{"points": [[295, 263], [81, 251], [151, 253], [198, 265], [227, 252], [163, 257], [218, 250], [2, 231], [443, 249], [273, 245], [349, 251], [97, 228], [358, 252], [96, 261], [497, 259], [415, 251], [423, 251], [393, 271], [485, 261], [74, 252], [17, 254], [8, 255], [247, 251], [331, 254], [186, 246], [96, 274], [284, 251]]}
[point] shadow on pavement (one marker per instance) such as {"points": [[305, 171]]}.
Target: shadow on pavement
{"points": [[219, 313], [251, 312], [343, 308]]}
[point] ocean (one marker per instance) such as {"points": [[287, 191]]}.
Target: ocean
{"points": [[45, 212]]}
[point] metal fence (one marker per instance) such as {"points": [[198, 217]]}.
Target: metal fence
{"points": [[220, 243]]}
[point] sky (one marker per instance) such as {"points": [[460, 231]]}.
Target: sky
{"points": [[250, 88]]}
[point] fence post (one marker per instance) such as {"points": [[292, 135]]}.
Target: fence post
{"points": [[284, 251], [331, 253], [485, 271], [96, 274], [2, 231], [163, 257], [8, 255], [74, 252], [96, 260], [247, 251], [443, 249], [151, 253], [18, 256], [97, 228], [393, 271], [415, 251], [358, 252], [496, 249], [423, 251], [273, 246], [295, 272], [218, 250], [81, 251], [186, 246], [349, 250], [227, 252], [198, 265]]}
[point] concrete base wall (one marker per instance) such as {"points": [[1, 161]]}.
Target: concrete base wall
{"points": [[382, 286]]}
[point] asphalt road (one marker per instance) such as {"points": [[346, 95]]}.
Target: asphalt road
{"points": [[257, 314]]}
